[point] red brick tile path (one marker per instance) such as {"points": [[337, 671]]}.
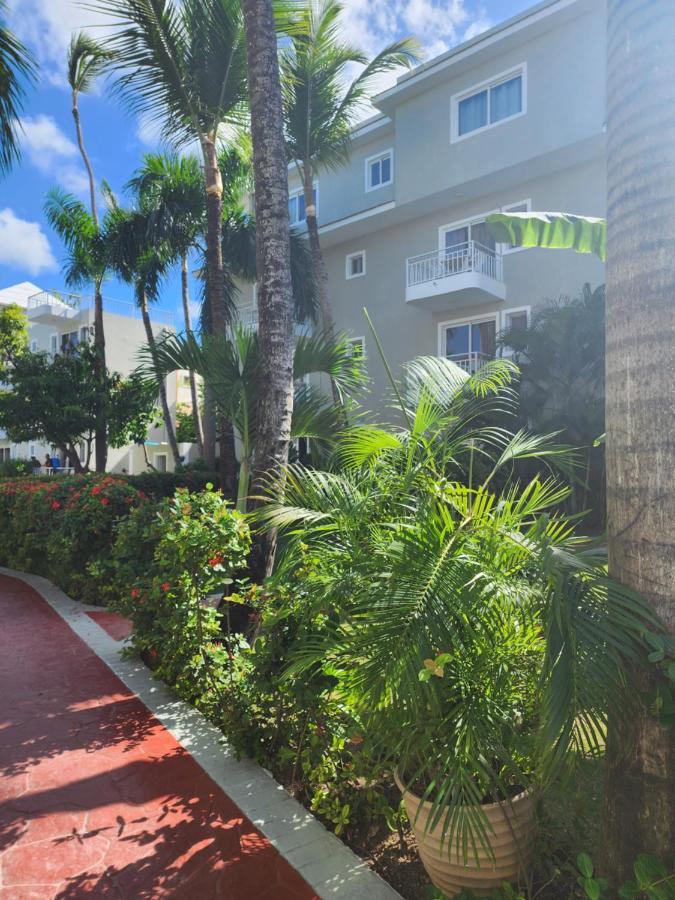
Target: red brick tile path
{"points": [[97, 799], [118, 627]]}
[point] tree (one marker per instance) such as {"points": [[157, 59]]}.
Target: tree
{"points": [[86, 263], [273, 260], [57, 400], [16, 67], [320, 107], [142, 265], [234, 368], [13, 335], [640, 405], [561, 359]]}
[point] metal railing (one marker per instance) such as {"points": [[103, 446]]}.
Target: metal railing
{"points": [[469, 256], [64, 304], [470, 362], [248, 317]]}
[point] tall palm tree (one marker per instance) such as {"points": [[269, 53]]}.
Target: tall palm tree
{"points": [[320, 108], [85, 62], [172, 188], [183, 66], [640, 392], [143, 265], [16, 66], [275, 297]]}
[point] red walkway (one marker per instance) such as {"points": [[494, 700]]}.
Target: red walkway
{"points": [[96, 798]]}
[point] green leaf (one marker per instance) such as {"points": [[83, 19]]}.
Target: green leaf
{"points": [[585, 865], [554, 230]]}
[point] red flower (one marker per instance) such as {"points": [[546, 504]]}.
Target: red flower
{"points": [[56, 505], [166, 587], [96, 490], [135, 592], [104, 501], [216, 560]]}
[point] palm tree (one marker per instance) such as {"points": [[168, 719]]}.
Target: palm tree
{"points": [[86, 61], [233, 368], [320, 107], [275, 298], [640, 405], [183, 65], [16, 65], [143, 265], [171, 187]]}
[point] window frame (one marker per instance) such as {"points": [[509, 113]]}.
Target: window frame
{"points": [[299, 192], [488, 84], [349, 275], [481, 217], [358, 339], [465, 320], [156, 456], [507, 352], [506, 250], [374, 158]]}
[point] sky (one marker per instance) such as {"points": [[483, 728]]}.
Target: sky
{"points": [[116, 141]]}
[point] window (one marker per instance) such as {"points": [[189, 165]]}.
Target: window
{"points": [[356, 264], [54, 344], [358, 347], [459, 233], [69, 341], [296, 205], [489, 103], [469, 343], [514, 320], [379, 170], [84, 334], [33, 346], [160, 462], [5, 454]]}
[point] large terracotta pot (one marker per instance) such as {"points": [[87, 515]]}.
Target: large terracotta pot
{"points": [[511, 830]]}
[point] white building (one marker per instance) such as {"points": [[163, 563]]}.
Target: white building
{"points": [[58, 321]]}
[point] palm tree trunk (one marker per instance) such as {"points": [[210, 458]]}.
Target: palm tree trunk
{"points": [[215, 286], [318, 262], [196, 418], [273, 263], [170, 431], [101, 433], [640, 400]]}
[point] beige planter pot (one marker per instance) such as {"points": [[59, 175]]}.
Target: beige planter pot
{"points": [[512, 827]]}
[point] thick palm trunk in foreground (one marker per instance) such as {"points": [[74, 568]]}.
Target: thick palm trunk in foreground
{"points": [[640, 402], [196, 418], [275, 301], [170, 431]]}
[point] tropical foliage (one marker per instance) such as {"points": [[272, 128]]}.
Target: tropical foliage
{"points": [[16, 69], [555, 230]]}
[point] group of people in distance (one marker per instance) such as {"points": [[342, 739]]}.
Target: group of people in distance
{"points": [[51, 464]]}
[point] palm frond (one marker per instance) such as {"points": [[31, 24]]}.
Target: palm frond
{"points": [[17, 70], [86, 61]]}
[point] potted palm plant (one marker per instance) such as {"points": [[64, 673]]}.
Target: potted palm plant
{"points": [[476, 633]]}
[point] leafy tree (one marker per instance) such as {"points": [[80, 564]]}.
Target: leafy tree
{"points": [[562, 385], [16, 67], [57, 400], [13, 335], [321, 105]]}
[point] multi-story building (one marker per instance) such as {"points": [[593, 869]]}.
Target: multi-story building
{"points": [[58, 322], [511, 120]]}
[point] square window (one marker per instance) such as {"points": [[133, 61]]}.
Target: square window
{"points": [[296, 206], [379, 170], [356, 264]]}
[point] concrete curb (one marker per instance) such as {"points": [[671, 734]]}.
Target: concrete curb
{"points": [[330, 867]]}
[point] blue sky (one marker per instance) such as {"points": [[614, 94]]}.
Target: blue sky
{"points": [[116, 141]]}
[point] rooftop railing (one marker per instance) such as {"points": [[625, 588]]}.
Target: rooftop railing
{"points": [[68, 303]]}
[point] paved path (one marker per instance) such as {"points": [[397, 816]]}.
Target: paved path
{"points": [[97, 799]]}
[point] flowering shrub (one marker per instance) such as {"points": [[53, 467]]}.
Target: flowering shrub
{"points": [[62, 527], [168, 560]]}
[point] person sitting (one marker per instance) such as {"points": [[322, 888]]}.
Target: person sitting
{"points": [[35, 464], [47, 464], [56, 464]]}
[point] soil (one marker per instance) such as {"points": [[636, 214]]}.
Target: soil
{"points": [[393, 859]]}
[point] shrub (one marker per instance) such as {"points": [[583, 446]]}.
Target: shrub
{"points": [[165, 484], [189, 547], [12, 468]]}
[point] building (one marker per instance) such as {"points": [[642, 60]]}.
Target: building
{"points": [[59, 321], [513, 119]]}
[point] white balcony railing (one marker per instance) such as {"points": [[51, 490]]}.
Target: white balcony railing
{"points": [[248, 317], [65, 305], [469, 256], [470, 362]]}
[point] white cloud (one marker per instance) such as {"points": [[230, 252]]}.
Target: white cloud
{"points": [[437, 25], [47, 26], [23, 244], [53, 153]]}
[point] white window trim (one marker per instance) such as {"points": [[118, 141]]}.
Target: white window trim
{"points": [[156, 456], [508, 207], [381, 155], [359, 339], [480, 217], [348, 258], [455, 100], [465, 320], [507, 352], [54, 346], [299, 192]]}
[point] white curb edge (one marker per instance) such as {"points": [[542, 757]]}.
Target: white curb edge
{"points": [[330, 868]]}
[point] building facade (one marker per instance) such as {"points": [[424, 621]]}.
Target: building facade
{"points": [[58, 322], [509, 121]]}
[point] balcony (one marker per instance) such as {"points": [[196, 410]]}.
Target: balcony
{"points": [[52, 308], [470, 362], [463, 274], [248, 317]]}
